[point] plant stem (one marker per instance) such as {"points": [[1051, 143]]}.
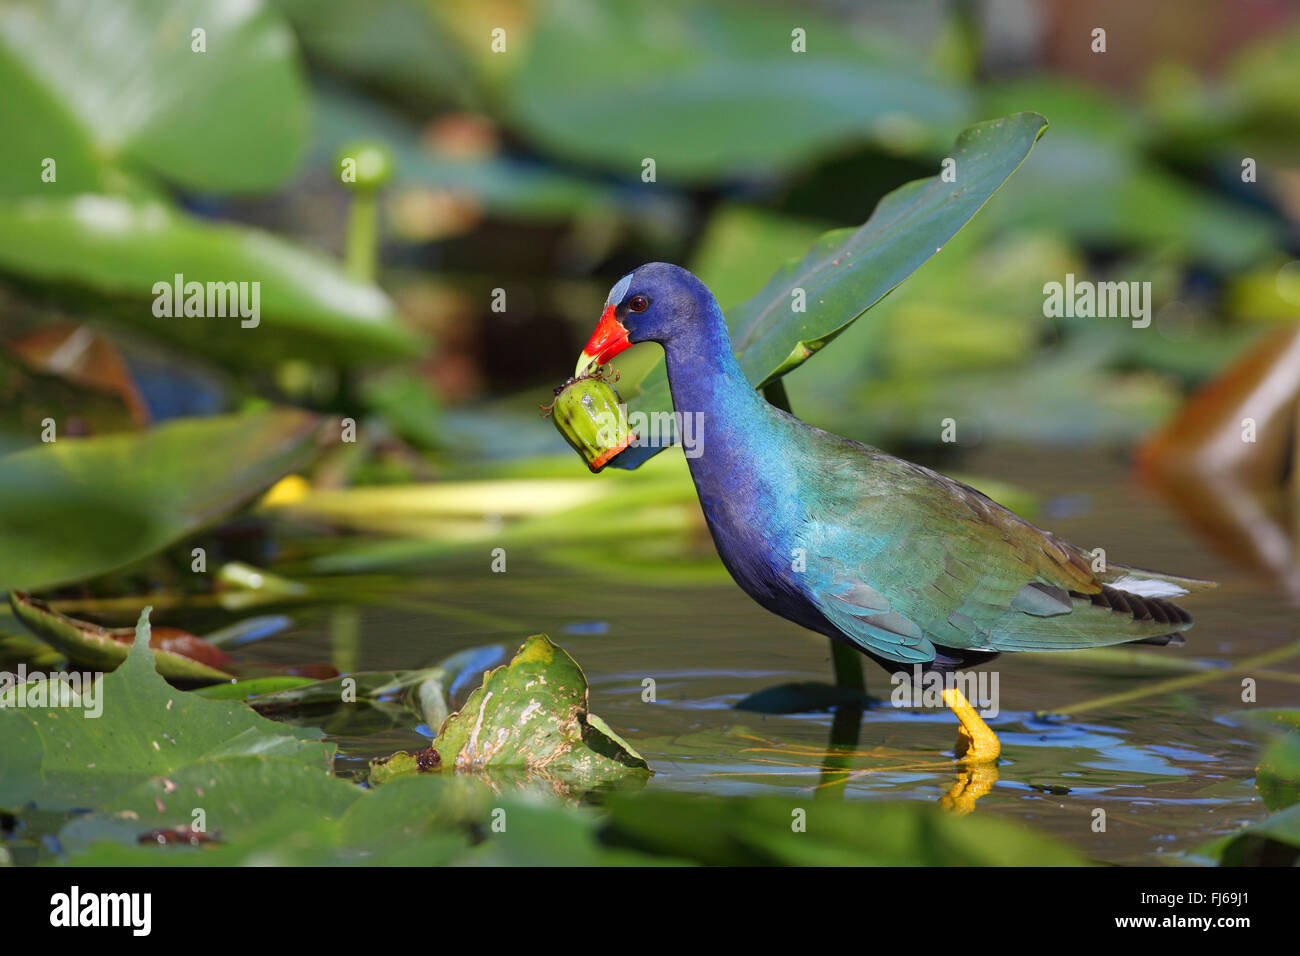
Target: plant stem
{"points": [[362, 251], [1256, 663]]}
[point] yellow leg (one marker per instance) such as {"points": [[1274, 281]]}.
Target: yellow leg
{"points": [[972, 783], [976, 743]]}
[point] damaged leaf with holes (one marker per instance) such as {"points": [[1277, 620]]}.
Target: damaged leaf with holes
{"points": [[532, 716]]}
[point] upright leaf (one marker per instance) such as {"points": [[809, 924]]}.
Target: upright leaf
{"points": [[847, 271]]}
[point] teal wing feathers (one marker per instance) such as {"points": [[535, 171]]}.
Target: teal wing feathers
{"points": [[902, 559]]}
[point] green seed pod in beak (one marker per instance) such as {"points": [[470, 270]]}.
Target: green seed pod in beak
{"points": [[586, 412]]}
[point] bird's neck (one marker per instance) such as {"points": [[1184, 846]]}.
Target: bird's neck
{"points": [[737, 461], [708, 384]]}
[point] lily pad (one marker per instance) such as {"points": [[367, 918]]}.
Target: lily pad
{"points": [[1273, 841], [756, 831], [712, 89], [1277, 777], [117, 250], [108, 88], [80, 507], [62, 758], [532, 716], [429, 820]]}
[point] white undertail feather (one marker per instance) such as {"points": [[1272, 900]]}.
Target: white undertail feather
{"points": [[1148, 587]]}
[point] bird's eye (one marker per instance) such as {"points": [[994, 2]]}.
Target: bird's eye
{"points": [[638, 303]]}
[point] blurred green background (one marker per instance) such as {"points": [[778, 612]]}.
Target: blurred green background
{"points": [[521, 171], [412, 322]]}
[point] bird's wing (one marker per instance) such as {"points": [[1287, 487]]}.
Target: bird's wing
{"points": [[920, 560], [864, 615]]}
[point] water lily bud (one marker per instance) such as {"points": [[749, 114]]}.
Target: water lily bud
{"points": [[366, 165], [586, 412]]}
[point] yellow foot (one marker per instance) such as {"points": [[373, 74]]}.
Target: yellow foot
{"points": [[972, 783], [976, 743]]}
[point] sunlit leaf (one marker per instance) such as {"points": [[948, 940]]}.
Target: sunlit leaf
{"points": [[120, 251], [103, 87], [73, 508]]}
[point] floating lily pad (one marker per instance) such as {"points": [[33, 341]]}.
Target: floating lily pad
{"points": [[530, 718], [756, 831], [78, 507], [114, 251], [1277, 777], [532, 714], [1273, 841], [62, 758]]}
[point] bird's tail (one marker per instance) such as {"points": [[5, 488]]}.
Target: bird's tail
{"points": [[1145, 608], [1141, 607], [1152, 584]]}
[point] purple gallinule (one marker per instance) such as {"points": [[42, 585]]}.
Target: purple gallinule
{"points": [[907, 566]]}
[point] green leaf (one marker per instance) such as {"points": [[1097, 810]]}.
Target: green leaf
{"points": [[500, 184], [737, 248], [1092, 181], [712, 89], [102, 648], [426, 690], [64, 758], [101, 87], [398, 45], [531, 716], [756, 831], [120, 249], [1277, 778], [847, 271], [1273, 841], [74, 508], [254, 687], [429, 820]]}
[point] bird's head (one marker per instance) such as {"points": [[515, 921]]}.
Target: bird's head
{"points": [[655, 303]]}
